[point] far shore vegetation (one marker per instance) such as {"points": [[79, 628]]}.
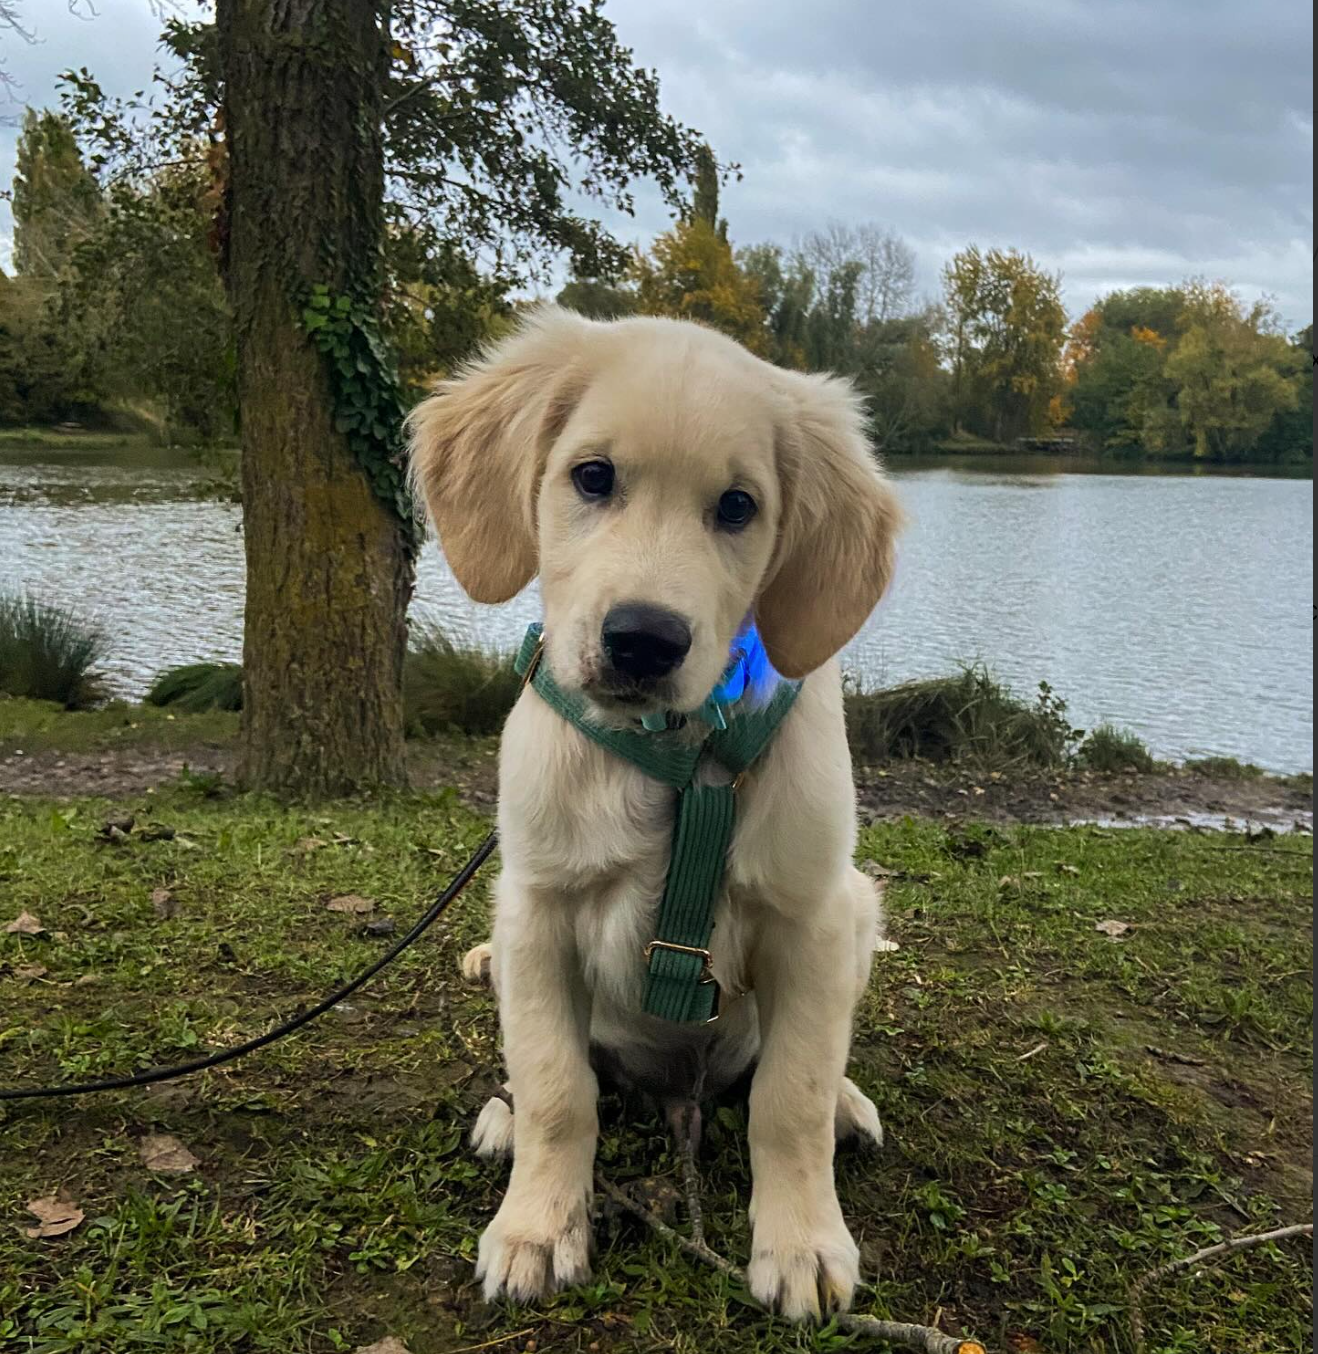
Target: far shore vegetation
{"points": [[115, 325]]}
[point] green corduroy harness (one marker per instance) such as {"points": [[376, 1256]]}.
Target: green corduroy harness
{"points": [[679, 985]]}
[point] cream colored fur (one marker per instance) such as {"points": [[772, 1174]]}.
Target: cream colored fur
{"points": [[683, 414]]}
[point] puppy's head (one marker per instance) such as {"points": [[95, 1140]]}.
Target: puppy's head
{"points": [[667, 486]]}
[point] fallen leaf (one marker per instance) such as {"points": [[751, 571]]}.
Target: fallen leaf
{"points": [[1009, 881], [306, 845], [1025, 1344], [876, 871], [351, 902], [1114, 930], [116, 829], [88, 980], [391, 1344], [31, 971], [54, 1216], [164, 1153], [25, 924], [1067, 869], [158, 832], [380, 926], [165, 904]]}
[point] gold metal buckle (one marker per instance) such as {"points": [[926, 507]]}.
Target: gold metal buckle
{"points": [[706, 968], [706, 973]]}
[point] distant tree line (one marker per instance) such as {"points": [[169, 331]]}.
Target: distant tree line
{"points": [[117, 302]]}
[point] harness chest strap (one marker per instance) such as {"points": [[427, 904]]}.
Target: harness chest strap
{"points": [[679, 984]]}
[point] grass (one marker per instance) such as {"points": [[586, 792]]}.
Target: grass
{"points": [[962, 444], [970, 717], [28, 437], [1224, 768], [199, 686], [40, 726], [48, 653], [1039, 1155], [447, 687], [1109, 749]]}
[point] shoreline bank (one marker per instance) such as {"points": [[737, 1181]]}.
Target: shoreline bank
{"points": [[72, 756]]}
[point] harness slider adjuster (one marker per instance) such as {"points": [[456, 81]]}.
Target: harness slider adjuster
{"points": [[706, 959]]}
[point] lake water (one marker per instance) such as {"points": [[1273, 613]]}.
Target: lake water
{"points": [[1174, 605]]}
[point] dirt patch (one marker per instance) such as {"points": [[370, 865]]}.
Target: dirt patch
{"points": [[127, 771], [68, 775], [1171, 799], [918, 789]]}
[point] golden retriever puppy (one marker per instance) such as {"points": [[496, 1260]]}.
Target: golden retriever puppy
{"points": [[670, 490]]}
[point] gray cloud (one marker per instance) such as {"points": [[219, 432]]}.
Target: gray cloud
{"points": [[1122, 142]]}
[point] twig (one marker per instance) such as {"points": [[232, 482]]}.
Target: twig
{"points": [[1171, 1056], [924, 1338], [686, 1149], [490, 1344], [1221, 1250]]}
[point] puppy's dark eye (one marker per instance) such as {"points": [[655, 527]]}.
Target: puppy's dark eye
{"points": [[594, 479], [735, 509]]}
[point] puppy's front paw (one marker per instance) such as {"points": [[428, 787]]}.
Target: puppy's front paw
{"points": [[856, 1116], [804, 1274], [524, 1258], [476, 964], [492, 1135]]}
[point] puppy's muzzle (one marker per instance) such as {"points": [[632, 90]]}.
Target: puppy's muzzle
{"points": [[643, 643]]}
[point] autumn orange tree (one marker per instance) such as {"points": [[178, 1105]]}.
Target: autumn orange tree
{"points": [[1188, 371]]}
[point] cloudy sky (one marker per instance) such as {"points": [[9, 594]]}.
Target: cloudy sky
{"points": [[1118, 141]]}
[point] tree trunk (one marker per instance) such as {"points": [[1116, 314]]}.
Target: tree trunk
{"points": [[329, 571]]}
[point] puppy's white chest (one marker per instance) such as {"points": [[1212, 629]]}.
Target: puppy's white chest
{"points": [[599, 833]]}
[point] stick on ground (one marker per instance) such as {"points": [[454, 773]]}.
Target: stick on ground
{"points": [[924, 1338], [1218, 1252]]}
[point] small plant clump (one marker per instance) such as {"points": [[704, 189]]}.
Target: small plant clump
{"points": [[447, 687], [1223, 768], [49, 654], [1110, 749], [970, 717], [199, 686]]}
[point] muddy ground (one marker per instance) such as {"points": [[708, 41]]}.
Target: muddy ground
{"points": [[1170, 798]]}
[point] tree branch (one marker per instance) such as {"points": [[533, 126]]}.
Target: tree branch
{"points": [[927, 1339], [1220, 1251]]}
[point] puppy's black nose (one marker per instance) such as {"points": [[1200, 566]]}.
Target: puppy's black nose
{"points": [[644, 642]]}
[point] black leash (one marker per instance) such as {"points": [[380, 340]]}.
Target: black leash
{"points": [[436, 910]]}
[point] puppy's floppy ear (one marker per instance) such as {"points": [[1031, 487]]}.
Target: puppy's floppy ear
{"points": [[479, 443], [837, 532]]}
